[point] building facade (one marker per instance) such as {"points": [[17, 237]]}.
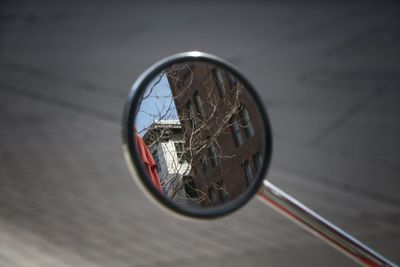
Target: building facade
{"points": [[165, 142], [222, 130]]}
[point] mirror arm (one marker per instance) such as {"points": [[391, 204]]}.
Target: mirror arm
{"points": [[315, 224]]}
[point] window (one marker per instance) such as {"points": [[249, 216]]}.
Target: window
{"points": [[180, 84], [190, 112], [223, 194], [257, 161], [213, 155], [179, 151], [199, 105], [248, 173], [190, 186], [232, 80], [212, 196], [157, 160], [220, 82], [248, 126], [237, 135], [204, 164]]}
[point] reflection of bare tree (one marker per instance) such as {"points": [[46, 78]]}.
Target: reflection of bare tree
{"points": [[206, 114]]}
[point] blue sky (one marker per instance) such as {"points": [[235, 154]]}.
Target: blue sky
{"points": [[158, 102]]}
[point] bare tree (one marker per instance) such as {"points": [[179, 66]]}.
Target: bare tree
{"points": [[201, 107]]}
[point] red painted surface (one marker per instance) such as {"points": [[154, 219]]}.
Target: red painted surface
{"points": [[149, 162]]}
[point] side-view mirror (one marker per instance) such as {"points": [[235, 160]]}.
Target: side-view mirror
{"points": [[196, 137]]}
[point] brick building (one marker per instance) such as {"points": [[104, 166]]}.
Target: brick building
{"points": [[222, 129]]}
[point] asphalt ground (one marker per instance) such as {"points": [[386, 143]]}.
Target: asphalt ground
{"points": [[328, 73]]}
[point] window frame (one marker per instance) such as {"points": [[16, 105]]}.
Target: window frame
{"points": [[212, 151], [257, 161], [180, 154], [220, 80], [204, 164], [223, 194], [236, 132], [248, 172], [212, 196], [248, 125], [198, 105]]}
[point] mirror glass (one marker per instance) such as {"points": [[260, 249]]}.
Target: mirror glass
{"points": [[199, 135]]}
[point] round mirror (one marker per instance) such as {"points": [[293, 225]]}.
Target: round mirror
{"points": [[196, 135]]}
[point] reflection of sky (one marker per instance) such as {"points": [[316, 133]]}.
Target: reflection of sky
{"points": [[156, 105]]}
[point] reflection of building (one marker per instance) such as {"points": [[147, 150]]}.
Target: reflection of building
{"points": [[165, 142], [213, 105]]}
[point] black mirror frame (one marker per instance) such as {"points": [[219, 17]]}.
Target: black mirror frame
{"points": [[129, 143]]}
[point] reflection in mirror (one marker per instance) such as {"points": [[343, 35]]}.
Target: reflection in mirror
{"points": [[199, 134]]}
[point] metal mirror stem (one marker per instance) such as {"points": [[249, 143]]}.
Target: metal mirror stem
{"points": [[325, 230]]}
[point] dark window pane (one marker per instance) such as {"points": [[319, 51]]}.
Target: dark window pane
{"points": [[223, 194], [213, 155], [232, 80], [212, 196], [191, 114], [237, 135], [179, 151], [204, 164], [248, 173], [220, 82], [246, 123], [257, 161], [199, 105], [190, 186]]}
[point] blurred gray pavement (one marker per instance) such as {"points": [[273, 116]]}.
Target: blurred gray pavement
{"points": [[329, 74]]}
